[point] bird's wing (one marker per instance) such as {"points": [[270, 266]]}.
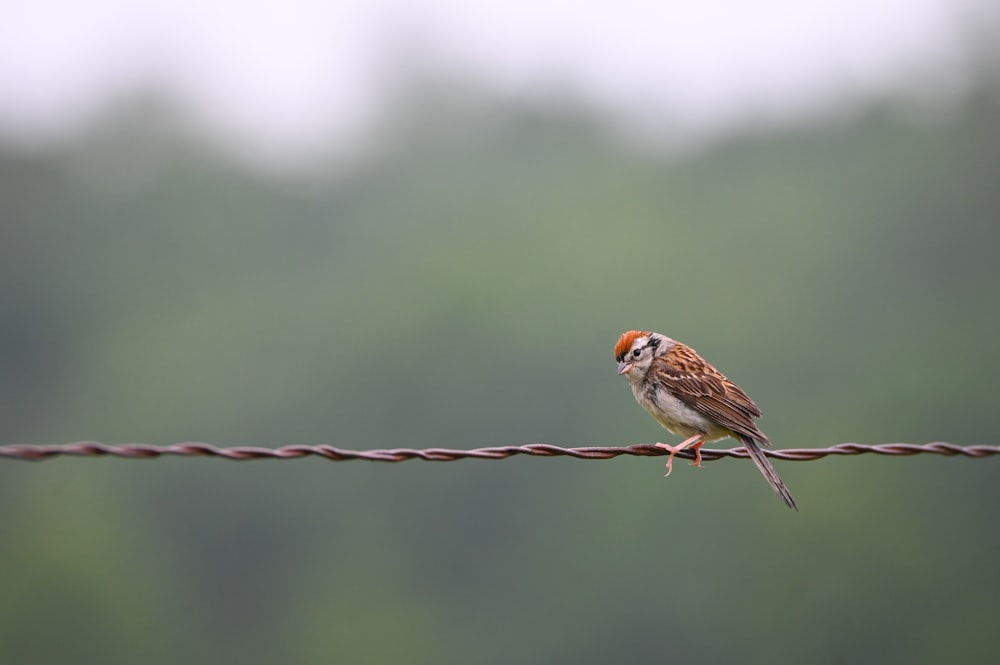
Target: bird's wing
{"points": [[694, 381]]}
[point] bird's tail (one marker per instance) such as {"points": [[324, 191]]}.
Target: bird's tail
{"points": [[764, 464]]}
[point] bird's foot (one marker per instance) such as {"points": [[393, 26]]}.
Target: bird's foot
{"points": [[697, 454], [670, 460], [673, 450]]}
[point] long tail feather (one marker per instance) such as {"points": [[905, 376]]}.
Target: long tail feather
{"points": [[764, 464]]}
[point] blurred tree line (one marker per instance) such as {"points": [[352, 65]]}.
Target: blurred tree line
{"points": [[461, 284]]}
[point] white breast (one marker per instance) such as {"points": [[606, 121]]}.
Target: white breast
{"points": [[677, 416]]}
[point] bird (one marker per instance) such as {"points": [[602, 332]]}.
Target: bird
{"points": [[691, 398]]}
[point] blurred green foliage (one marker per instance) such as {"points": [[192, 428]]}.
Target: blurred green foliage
{"points": [[462, 285]]}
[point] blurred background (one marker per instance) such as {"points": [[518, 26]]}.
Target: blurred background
{"points": [[385, 224]]}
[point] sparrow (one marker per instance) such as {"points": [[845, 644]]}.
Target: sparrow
{"points": [[691, 398]]}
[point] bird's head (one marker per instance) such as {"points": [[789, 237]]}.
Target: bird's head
{"points": [[636, 349]]}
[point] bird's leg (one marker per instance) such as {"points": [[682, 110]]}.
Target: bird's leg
{"points": [[681, 446], [697, 454]]}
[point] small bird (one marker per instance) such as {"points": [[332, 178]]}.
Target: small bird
{"points": [[689, 397]]}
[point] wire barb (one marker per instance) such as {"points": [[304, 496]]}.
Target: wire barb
{"points": [[334, 454]]}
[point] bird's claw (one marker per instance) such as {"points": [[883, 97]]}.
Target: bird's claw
{"points": [[694, 442], [670, 460]]}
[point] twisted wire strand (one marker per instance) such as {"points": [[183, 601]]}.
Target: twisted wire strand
{"points": [[332, 453]]}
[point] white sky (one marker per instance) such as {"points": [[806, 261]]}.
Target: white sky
{"points": [[285, 72]]}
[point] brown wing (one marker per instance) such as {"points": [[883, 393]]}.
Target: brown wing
{"points": [[691, 379]]}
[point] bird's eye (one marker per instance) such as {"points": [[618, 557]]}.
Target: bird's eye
{"points": [[635, 354]]}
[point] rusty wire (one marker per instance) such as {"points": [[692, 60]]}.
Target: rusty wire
{"points": [[332, 453]]}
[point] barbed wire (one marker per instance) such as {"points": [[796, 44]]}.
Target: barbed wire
{"points": [[332, 453]]}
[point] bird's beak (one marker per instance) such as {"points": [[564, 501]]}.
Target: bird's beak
{"points": [[624, 367]]}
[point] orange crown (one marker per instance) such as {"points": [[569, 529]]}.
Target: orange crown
{"points": [[625, 342]]}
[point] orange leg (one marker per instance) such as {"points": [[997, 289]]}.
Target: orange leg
{"points": [[695, 442], [697, 454]]}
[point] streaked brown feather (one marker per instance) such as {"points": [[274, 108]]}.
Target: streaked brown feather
{"points": [[698, 384]]}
